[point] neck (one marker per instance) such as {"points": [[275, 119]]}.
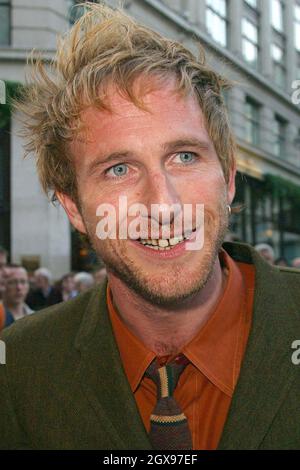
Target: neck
{"points": [[166, 331]]}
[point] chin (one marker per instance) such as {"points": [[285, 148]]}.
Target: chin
{"points": [[172, 297]]}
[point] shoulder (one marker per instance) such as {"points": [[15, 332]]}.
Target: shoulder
{"points": [[288, 270], [52, 328], [244, 253], [268, 277]]}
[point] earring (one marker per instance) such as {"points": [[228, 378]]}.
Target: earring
{"points": [[229, 209]]}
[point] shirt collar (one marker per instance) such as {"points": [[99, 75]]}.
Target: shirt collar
{"points": [[134, 355], [216, 350]]}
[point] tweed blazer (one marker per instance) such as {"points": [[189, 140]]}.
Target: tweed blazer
{"points": [[63, 385]]}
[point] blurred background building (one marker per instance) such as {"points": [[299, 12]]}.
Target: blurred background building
{"points": [[255, 43]]}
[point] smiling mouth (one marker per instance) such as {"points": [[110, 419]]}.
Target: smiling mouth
{"points": [[164, 244]]}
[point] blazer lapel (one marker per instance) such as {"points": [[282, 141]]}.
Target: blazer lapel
{"points": [[267, 370], [103, 379]]}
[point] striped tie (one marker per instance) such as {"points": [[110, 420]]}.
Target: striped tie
{"points": [[169, 427]]}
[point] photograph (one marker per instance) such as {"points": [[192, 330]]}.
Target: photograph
{"points": [[149, 230]]}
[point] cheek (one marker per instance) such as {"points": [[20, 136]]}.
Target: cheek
{"points": [[210, 192], [111, 205]]}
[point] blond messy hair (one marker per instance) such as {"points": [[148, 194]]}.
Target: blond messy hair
{"points": [[104, 47]]}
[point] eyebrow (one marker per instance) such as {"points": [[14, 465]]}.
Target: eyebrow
{"points": [[111, 158], [189, 142], [168, 147]]}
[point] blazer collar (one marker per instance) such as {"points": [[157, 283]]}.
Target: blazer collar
{"points": [[103, 379], [267, 371]]}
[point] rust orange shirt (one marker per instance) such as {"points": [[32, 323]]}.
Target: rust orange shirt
{"points": [[206, 385]]}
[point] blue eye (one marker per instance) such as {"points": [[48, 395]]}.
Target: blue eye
{"points": [[186, 157], [118, 170]]}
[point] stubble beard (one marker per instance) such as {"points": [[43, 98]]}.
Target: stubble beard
{"points": [[169, 288]]}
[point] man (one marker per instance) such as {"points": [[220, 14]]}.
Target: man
{"points": [[266, 251], [63, 291], [133, 117], [38, 297], [16, 289], [83, 281]]}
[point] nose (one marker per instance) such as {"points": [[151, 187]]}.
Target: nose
{"points": [[162, 192]]}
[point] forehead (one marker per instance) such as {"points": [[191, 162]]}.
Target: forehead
{"points": [[165, 114], [15, 272]]}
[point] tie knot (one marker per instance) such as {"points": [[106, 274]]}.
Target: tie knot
{"points": [[165, 377]]}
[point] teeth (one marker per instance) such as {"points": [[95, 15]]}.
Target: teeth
{"points": [[174, 241], [163, 243]]}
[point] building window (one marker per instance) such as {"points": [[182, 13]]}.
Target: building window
{"points": [[297, 27], [278, 65], [4, 22], [76, 9], [250, 42], [252, 3], [216, 23], [279, 136], [277, 15], [252, 121]]}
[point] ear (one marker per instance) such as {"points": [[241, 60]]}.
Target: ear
{"points": [[231, 184], [72, 211]]}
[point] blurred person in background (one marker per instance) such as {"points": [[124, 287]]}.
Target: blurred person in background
{"points": [[281, 262], [3, 257], [16, 290], [38, 296], [83, 281], [99, 275], [296, 263], [266, 251], [64, 290]]}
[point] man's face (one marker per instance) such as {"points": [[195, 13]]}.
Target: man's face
{"points": [[41, 281], [16, 285], [161, 155], [68, 284], [267, 255]]}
